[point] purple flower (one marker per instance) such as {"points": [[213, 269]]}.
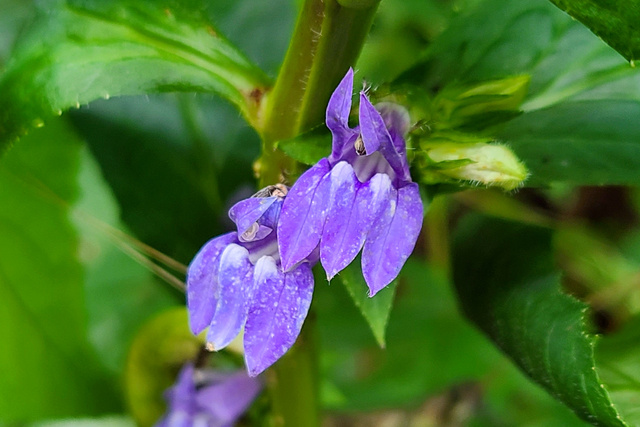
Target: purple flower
{"points": [[208, 399], [361, 195], [236, 281]]}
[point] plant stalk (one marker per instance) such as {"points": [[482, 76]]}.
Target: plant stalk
{"points": [[327, 40]]}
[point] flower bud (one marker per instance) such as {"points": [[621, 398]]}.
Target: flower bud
{"points": [[479, 163]]}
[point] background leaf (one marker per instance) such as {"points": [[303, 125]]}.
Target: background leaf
{"points": [[617, 357], [427, 355], [580, 142], [48, 367], [583, 92], [120, 294], [511, 292], [616, 22], [174, 163], [158, 352], [78, 51]]}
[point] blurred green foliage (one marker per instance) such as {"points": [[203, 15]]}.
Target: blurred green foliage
{"points": [[164, 169]]}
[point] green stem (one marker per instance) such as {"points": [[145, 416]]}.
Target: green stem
{"points": [[343, 33], [293, 383], [327, 40]]}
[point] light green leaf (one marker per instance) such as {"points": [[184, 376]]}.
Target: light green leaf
{"points": [[78, 51], [616, 21], [511, 291], [48, 369], [375, 310], [112, 421]]}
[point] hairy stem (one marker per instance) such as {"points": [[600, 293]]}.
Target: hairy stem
{"points": [[327, 40]]}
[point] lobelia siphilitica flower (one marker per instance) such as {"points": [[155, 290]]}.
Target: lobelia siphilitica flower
{"points": [[260, 277], [206, 398], [236, 281], [361, 195]]}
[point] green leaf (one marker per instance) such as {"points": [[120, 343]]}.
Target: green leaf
{"points": [[171, 175], [111, 421], [595, 142], [375, 310], [617, 357], [48, 369], [308, 148], [615, 21], [562, 57], [511, 291], [78, 51], [579, 124], [120, 293], [427, 352]]}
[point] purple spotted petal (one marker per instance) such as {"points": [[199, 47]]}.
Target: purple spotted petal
{"points": [[303, 215], [230, 398], [235, 279], [352, 210], [376, 137], [202, 282], [391, 241], [246, 212], [279, 306]]}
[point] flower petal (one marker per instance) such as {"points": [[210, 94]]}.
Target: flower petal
{"points": [[303, 215], [235, 279], [397, 120], [279, 306], [230, 398], [376, 137], [337, 117], [393, 238], [180, 396], [352, 210], [202, 282], [248, 211]]}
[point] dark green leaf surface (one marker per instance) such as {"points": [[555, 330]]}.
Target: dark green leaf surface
{"points": [[508, 286], [427, 351], [172, 175], [47, 367], [617, 357], [580, 116], [375, 310], [120, 293], [79, 51], [594, 142], [616, 21]]}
